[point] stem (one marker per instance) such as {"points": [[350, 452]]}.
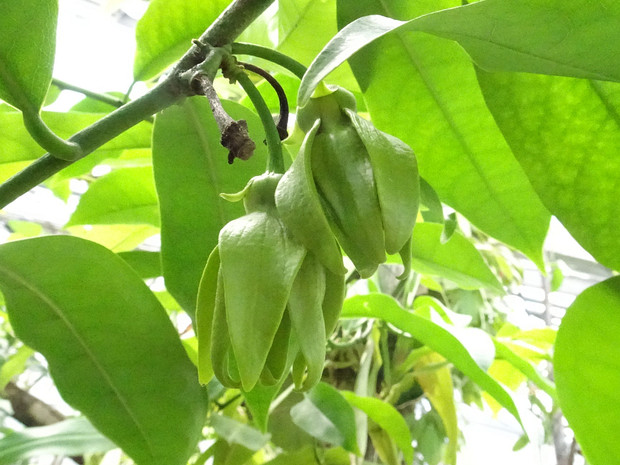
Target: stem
{"points": [[295, 67], [234, 20], [282, 124], [105, 98], [45, 137], [235, 135], [276, 162]]}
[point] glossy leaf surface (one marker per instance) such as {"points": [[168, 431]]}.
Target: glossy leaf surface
{"points": [[558, 37], [587, 373], [27, 47], [120, 354], [191, 170], [566, 135]]}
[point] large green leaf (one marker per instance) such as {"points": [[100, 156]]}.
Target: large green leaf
{"points": [[72, 437], [124, 196], [166, 30], [587, 370], [444, 118], [560, 37], [566, 135], [191, 170], [27, 47], [387, 417], [456, 260], [19, 149], [112, 351], [326, 415], [431, 334]]}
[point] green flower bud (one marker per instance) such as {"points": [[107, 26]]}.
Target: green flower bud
{"points": [[262, 298], [350, 180]]}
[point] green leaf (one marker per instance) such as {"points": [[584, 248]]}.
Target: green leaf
{"points": [[456, 260], [327, 416], [146, 264], [19, 149], [387, 417], [72, 437], [586, 368], [566, 134], [235, 432], [116, 237], [27, 47], [431, 334], [191, 170], [444, 118], [14, 365], [558, 37], [504, 352], [120, 356], [165, 31], [124, 196], [304, 28]]}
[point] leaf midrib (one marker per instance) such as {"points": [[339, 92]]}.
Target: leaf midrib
{"points": [[90, 355]]}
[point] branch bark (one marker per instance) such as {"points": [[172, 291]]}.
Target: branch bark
{"points": [[234, 20]]}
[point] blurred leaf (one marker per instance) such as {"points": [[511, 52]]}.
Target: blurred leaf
{"points": [[566, 135], [444, 119], [120, 354], [14, 365], [431, 334], [75, 436], [165, 32], [387, 417], [304, 456], [304, 28], [116, 237], [19, 149], [235, 432], [191, 170], [504, 352], [586, 370], [438, 387], [557, 278], [124, 196], [27, 47], [326, 415], [146, 264], [456, 260]]}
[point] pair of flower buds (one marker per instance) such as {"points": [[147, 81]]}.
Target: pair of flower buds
{"points": [[273, 288]]}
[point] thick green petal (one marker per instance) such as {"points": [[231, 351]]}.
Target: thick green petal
{"points": [[205, 308], [306, 313], [259, 263], [221, 353], [395, 171], [299, 207]]}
